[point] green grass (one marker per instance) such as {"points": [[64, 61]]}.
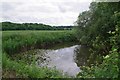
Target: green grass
{"points": [[18, 41]]}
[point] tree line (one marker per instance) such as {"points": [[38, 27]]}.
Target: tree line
{"points": [[31, 26]]}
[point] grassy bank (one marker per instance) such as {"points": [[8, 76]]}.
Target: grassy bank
{"points": [[19, 41], [13, 69]]}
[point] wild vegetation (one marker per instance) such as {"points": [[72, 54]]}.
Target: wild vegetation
{"points": [[99, 28], [15, 42]]}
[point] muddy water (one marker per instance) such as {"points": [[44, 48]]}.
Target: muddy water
{"points": [[66, 58]]}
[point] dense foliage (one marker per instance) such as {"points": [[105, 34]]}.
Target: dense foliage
{"points": [[109, 68], [94, 25], [31, 26], [99, 28]]}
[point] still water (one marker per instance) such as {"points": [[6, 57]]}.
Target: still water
{"points": [[62, 59], [67, 59]]}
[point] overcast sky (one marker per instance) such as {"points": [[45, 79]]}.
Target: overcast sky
{"points": [[52, 12]]}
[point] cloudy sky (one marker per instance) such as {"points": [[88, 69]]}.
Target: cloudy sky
{"points": [[52, 12]]}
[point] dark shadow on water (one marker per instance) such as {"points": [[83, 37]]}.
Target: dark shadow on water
{"points": [[82, 55]]}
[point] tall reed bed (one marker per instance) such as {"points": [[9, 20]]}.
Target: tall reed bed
{"points": [[17, 41]]}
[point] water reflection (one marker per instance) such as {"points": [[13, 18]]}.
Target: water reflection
{"points": [[68, 59], [82, 55], [63, 59]]}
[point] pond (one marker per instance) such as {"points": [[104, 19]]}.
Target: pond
{"points": [[67, 58]]}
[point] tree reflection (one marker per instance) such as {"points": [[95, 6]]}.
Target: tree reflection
{"points": [[82, 55]]}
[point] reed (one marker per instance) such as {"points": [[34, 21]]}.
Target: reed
{"points": [[18, 41]]}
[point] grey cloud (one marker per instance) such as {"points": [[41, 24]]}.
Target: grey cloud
{"points": [[10, 6], [53, 13], [7, 6], [73, 6], [39, 8]]}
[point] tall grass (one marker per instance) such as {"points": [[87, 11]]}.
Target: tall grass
{"points": [[17, 41]]}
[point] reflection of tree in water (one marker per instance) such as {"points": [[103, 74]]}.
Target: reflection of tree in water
{"points": [[82, 55]]}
